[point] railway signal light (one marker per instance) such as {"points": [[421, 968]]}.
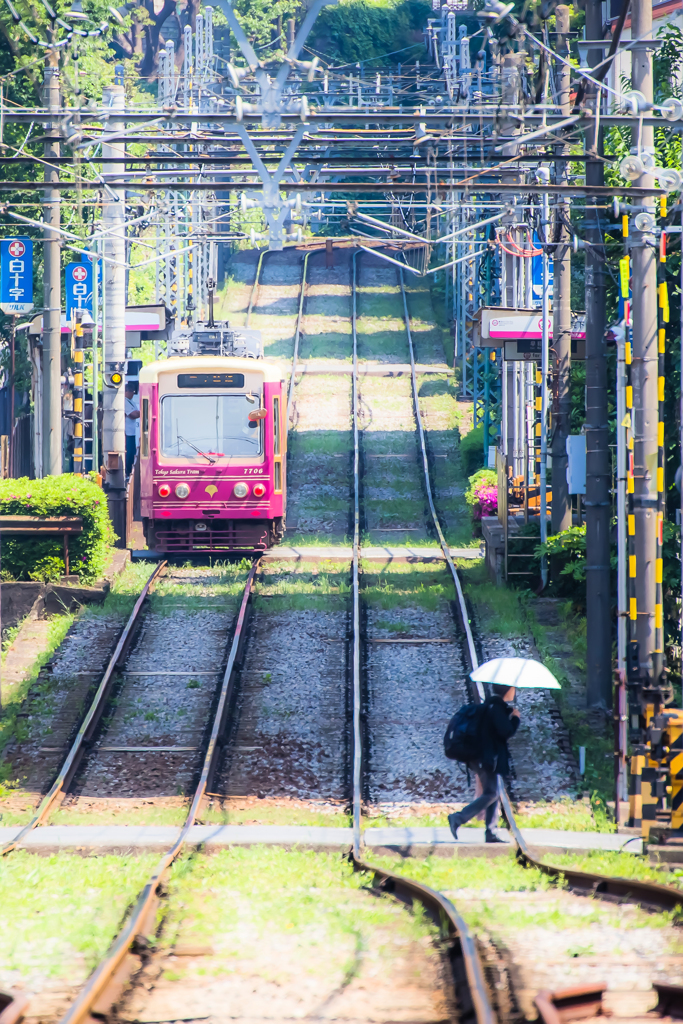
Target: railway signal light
{"points": [[113, 375]]}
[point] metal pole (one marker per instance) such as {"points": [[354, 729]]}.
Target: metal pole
{"points": [[644, 373], [13, 347], [598, 476], [52, 284], [621, 794], [95, 360], [562, 314], [544, 176], [114, 274]]}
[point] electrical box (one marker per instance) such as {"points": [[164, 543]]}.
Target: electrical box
{"points": [[576, 463]]}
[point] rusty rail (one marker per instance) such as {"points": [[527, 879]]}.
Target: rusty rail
{"points": [[12, 1006], [585, 1001], [665, 897], [92, 718], [106, 983], [471, 994]]}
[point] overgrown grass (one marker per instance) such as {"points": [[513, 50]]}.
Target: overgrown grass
{"points": [[298, 588], [566, 815], [236, 897], [427, 586], [470, 877], [12, 727], [58, 914], [264, 813], [620, 865]]}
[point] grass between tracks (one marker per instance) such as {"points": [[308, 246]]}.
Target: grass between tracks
{"points": [[238, 897], [562, 648], [475, 883], [189, 588], [58, 914], [13, 727]]}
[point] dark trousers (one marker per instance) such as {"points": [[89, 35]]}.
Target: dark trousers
{"points": [[131, 451], [489, 799]]}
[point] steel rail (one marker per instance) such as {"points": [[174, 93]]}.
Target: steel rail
{"points": [[105, 984], [255, 285], [471, 994], [91, 720], [663, 896], [297, 333]]}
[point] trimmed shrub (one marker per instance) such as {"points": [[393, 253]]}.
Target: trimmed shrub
{"points": [[472, 450], [29, 558]]}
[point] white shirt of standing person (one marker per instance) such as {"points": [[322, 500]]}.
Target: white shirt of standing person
{"points": [[133, 416]]}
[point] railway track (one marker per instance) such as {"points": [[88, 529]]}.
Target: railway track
{"points": [[127, 953], [92, 719], [106, 983]]}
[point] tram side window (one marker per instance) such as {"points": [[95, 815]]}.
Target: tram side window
{"points": [[145, 427], [277, 443]]}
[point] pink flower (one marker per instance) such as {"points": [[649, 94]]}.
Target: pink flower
{"points": [[487, 500]]}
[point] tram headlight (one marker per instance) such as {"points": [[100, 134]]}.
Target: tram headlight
{"points": [[164, 490], [241, 490], [182, 490]]}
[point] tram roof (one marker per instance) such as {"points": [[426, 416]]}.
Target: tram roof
{"points": [[209, 364]]}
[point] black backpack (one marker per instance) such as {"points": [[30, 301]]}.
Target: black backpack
{"points": [[462, 741]]}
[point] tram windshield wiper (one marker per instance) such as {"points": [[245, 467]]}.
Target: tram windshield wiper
{"points": [[179, 437]]}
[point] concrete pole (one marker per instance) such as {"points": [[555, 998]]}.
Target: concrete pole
{"points": [[114, 275], [52, 286], [561, 515], [644, 370], [598, 470]]}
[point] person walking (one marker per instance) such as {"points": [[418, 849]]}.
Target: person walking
{"points": [[499, 721]]}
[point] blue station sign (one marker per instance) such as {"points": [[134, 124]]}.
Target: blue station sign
{"points": [[16, 275], [78, 287]]}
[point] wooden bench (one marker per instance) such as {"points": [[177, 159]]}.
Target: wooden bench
{"points": [[43, 526]]}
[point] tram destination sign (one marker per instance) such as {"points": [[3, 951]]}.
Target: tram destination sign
{"points": [[210, 380], [16, 275]]}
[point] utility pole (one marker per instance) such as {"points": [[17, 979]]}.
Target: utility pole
{"points": [[52, 281], [598, 475], [114, 274], [561, 515], [644, 374]]}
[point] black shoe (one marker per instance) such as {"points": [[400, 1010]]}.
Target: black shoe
{"points": [[491, 837], [454, 823]]}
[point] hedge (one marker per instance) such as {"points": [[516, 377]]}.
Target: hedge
{"points": [[28, 558]]}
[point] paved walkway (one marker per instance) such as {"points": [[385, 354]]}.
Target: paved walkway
{"points": [[408, 841]]}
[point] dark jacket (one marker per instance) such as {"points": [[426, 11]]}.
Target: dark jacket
{"points": [[497, 728]]}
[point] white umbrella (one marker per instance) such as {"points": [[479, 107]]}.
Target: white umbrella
{"points": [[524, 673]]}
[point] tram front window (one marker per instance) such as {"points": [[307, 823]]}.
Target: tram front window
{"points": [[201, 427]]}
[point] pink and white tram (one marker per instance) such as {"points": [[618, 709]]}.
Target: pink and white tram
{"points": [[212, 454]]}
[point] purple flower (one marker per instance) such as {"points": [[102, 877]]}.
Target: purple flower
{"points": [[487, 500]]}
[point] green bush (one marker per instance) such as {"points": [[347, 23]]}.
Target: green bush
{"points": [[472, 450], [29, 558]]}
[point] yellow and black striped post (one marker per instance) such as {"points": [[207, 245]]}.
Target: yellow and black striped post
{"points": [[79, 395]]}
